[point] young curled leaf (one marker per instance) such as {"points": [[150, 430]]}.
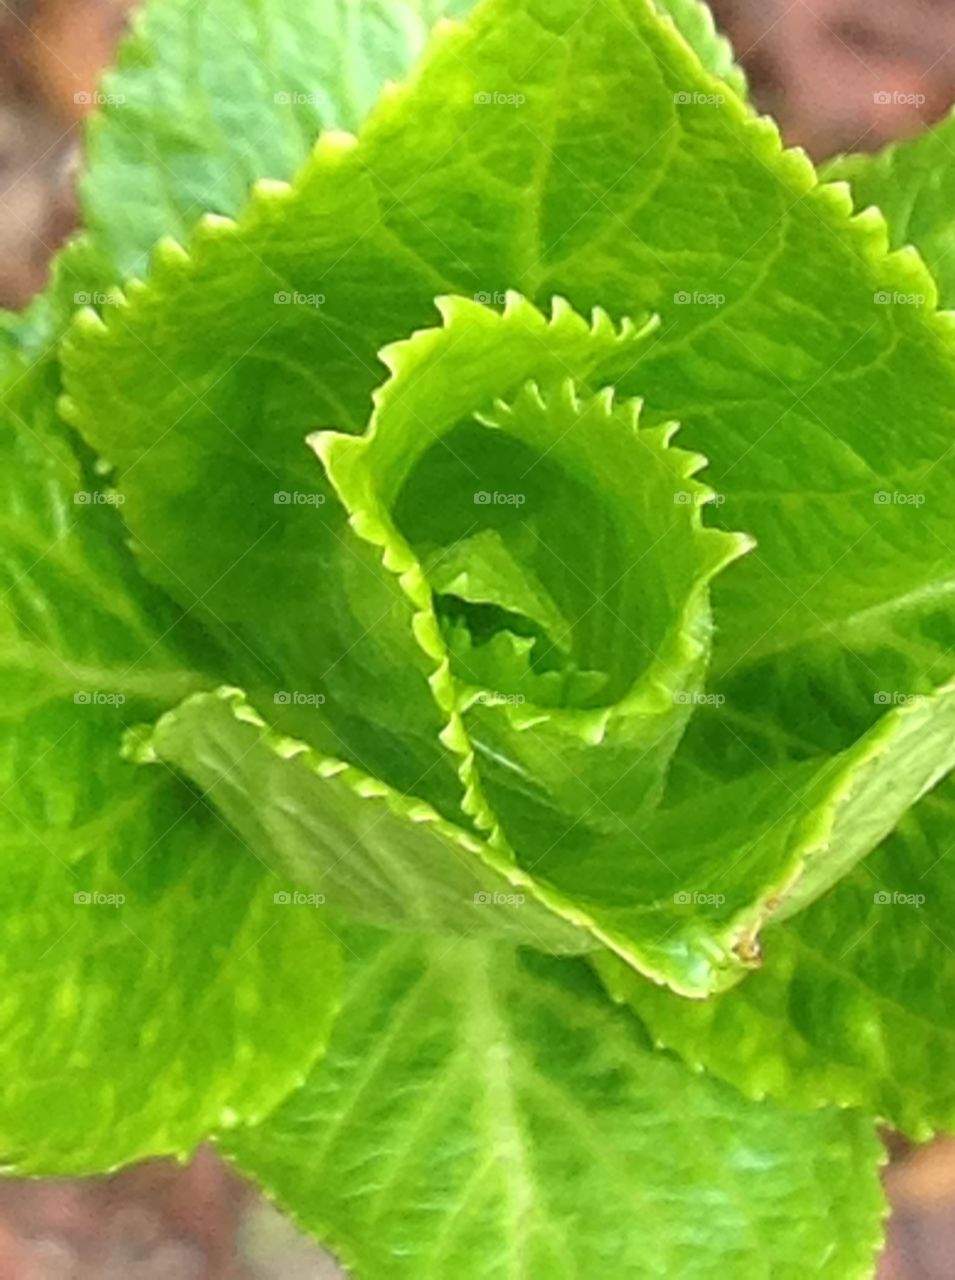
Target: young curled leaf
{"points": [[571, 638]]}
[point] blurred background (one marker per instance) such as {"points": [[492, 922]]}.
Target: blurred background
{"points": [[816, 65]]}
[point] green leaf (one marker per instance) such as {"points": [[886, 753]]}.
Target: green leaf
{"points": [[485, 1113], [205, 99], [852, 1006], [142, 951], [373, 854], [480, 569], [694, 21], [913, 183], [208, 98]]}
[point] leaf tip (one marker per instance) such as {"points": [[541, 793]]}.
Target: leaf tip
{"points": [[214, 224], [334, 143], [89, 323], [271, 189], [328, 444]]}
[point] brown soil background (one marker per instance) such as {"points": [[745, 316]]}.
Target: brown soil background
{"points": [[816, 65]]}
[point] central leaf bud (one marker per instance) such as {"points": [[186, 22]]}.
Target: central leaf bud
{"points": [[555, 550]]}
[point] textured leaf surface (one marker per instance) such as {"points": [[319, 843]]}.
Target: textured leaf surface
{"points": [[606, 524], [913, 183], [207, 97], [373, 854], [852, 1006], [141, 952], [793, 387], [694, 21], [486, 1113]]}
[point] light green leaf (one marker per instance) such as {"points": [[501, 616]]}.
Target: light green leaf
{"points": [[375, 855], [694, 21], [150, 981], [207, 97], [486, 1113], [715, 867], [913, 183], [852, 1006], [480, 569]]}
